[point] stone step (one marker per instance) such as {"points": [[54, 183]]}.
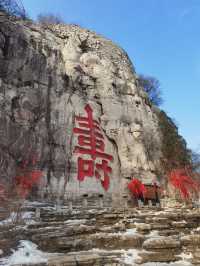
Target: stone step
{"points": [[79, 233]]}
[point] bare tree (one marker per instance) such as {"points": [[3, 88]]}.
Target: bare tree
{"points": [[152, 87], [196, 161], [49, 19], [13, 7]]}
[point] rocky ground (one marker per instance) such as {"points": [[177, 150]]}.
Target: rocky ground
{"points": [[103, 236]]}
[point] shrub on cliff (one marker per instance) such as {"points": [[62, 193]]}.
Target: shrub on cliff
{"points": [[174, 148], [183, 182], [49, 19]]}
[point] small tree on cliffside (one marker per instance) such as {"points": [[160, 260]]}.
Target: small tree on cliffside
{"points": [[13, 7], [152, 87], [49, 19]]}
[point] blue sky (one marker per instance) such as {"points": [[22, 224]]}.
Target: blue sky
{"points": [[161, 37]]}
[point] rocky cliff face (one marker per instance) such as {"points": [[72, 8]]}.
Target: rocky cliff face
{"points": [[55, 83]]}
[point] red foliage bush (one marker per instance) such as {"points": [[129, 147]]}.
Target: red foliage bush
{"points": [[183, 182], [27, 177], [23, 182], [137, 188], [26, 181]]}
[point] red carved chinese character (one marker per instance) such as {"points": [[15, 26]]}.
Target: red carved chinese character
{"points": [[105, 169], [85, 168], [91, 142]]}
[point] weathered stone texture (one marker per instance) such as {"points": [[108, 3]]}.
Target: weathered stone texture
{"points": [[102, 236], [47, 76]]}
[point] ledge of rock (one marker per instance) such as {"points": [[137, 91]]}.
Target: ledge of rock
{"points": [[161, 243]]}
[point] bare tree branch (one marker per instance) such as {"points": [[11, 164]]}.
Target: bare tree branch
{"points": [[13, 7], [152, 87]]}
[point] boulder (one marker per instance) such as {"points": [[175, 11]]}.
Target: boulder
{"points": [[88, 258], [143, 227], [179, 224], [165, 255], [117, 241], [192, 240], [161, 243]]}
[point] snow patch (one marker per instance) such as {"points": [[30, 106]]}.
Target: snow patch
{"points": [[131, 231], [75, 221], [185, 256], [130, 256], [27, 253], [154, 234], [177, 263], [128, 232], [25, 217]]}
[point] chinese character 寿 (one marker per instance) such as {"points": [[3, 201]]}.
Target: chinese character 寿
{"points": [[91, 142]]}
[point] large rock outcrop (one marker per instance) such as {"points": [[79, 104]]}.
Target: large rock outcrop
{"points": [[48, 75]]}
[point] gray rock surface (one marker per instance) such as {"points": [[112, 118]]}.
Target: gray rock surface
{"points": [[47, 77], [161, 243], [102, 236]]}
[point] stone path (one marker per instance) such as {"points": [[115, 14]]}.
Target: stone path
{"points": [[113, 237]]}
